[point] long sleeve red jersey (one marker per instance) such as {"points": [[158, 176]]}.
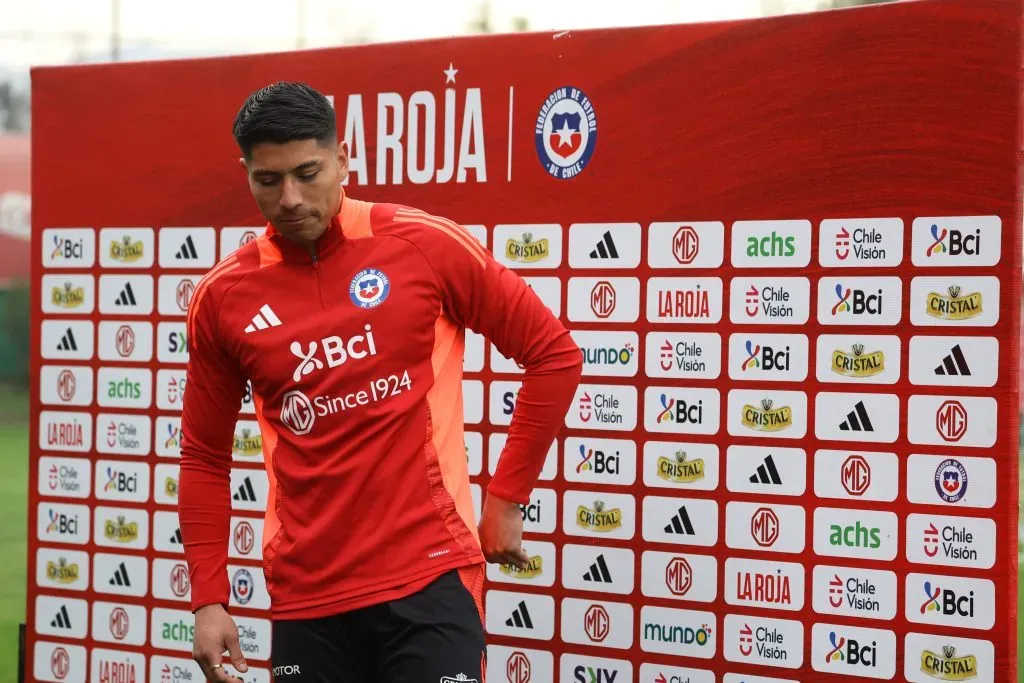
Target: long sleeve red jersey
{"points": [[355, 357]]}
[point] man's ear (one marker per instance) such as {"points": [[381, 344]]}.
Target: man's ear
{"points": [[245, 166], [343, 160]]}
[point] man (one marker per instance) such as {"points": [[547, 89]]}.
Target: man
{"points": [[349, 319]]}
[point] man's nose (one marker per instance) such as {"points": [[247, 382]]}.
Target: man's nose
{"points": [[291, 198]]}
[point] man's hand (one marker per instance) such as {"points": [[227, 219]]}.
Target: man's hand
{"points": [[216, 633], [501, 532]]}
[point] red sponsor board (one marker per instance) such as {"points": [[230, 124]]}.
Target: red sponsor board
{"points": [[797, 177]]}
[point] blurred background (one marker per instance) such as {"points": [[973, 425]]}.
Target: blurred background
{"points": [[53, 32]]}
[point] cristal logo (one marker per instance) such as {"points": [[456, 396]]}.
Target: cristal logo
{"points": [[297, 413], [680, 470], [955, 306], [949, 667], [597, 518], [954, 242], [336, 351], [766, 418], [857, 364]]}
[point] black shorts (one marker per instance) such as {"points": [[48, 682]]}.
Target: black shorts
{"points": [[433, 635]]}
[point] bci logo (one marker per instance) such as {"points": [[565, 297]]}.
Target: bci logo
{"points": [[765, 358], [850, 651], [857, 301], [62, 524], [946, 602], [680, 411], [597, 461], [954, 242], [121, 482]]}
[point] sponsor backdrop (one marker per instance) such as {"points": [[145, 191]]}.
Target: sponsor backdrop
{"points": [[788, 248]]}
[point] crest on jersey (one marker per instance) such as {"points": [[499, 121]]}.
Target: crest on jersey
{"points": [[369, 288]]}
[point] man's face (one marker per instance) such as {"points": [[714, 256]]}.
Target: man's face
{"points": [[297, 185]]}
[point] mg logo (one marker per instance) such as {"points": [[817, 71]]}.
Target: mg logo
{"points": [[119, 623], [124, 340], [517, 669], [247, 236], [597, 623], [951, 421], [602, 299], [685, 244], [764, 527], [66, 385], [297, 413], [678, 576], [856, 475], [180, 582], [244, 538], [183, 295], [60, 663]]}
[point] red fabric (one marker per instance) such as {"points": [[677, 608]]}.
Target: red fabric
{"points": [[355, 516]]}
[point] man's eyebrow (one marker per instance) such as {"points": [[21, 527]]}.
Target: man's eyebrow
{"points": [[298, 169]]}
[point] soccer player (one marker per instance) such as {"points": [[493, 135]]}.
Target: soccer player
{"points": [[349, 319]]}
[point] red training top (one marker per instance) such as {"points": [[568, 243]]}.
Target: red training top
{"points": [[355, 357]]}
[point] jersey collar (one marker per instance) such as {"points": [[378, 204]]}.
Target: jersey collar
{"points": [[330, 240]]}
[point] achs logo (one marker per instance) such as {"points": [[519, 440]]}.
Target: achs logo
{"points": [[954, 306], [566, 132], [61, 571], [127, 251], [121, 531], [528, 251], [369, 288], [597, 518], [954, 242], [771, 245], [949, 667], [951, 480], [242, 586], [681, 412], [680, 470], [856, 301], [534, 569], [684, 356], [68, 297], [336, 351], [766, 418], [857, 364], [247, 445]]}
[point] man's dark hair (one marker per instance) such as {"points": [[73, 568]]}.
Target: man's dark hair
{"points": [[282, 112]]}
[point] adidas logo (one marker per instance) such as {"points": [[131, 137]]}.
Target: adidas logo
{"points": [[63, 619], [67, 342], [680, 524], [766, 473], [857, 420], [127, 296], [598, 572], [176, 537], [264, 319], [187, 250], [954, 364], [520, 617], [120, 577], [245, 492], [605, 248]]}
